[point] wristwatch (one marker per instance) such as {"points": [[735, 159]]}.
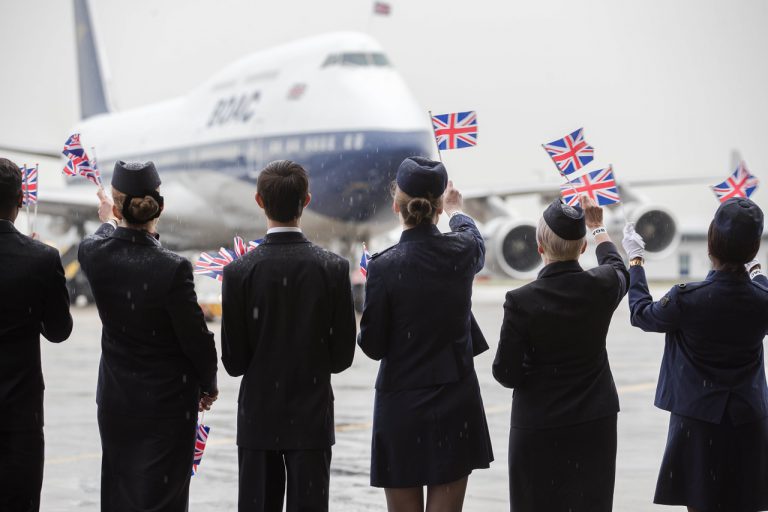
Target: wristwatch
{"points": [[636, 261]]}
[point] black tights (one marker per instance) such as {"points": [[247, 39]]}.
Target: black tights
{"points": [[440, 498]]}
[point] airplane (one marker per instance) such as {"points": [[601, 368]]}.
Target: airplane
{"points": [[333, 103]]}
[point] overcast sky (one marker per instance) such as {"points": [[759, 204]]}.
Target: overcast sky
{"points": [[662, 87]]}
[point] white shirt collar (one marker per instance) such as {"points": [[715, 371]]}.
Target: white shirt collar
{"points": [[283, 230]]}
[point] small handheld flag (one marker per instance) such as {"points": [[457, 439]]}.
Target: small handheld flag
{"points": [[570, 153], [382, 8], [78, 163], [201, 438], [29, 185], [599, 185], [364, 259], [741, 183], [455, 131], [212, 265]]}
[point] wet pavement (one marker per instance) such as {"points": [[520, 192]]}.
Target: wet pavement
{"points": [[73, 457]]}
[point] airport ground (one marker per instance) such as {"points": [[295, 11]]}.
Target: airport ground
{"points": [[72, 471]]}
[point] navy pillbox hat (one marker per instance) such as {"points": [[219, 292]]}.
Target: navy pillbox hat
{"points": [[740, 219], [418, 177], [135, 178], [567, 222]]}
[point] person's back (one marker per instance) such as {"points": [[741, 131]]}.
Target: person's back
{"points": [[288, 323], [34, 301]]}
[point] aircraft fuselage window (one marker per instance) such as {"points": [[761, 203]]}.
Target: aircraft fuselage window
{"points": [[234, 108], [356, 59]]}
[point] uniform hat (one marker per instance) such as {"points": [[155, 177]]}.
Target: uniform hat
{"points": [[135, 178], [565, 221], [739, 219], [419, 177]]}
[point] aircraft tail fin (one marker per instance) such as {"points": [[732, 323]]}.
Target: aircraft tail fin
{"points": [[93, 93]]}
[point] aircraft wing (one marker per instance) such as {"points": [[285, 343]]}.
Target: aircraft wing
{"points": [[75, 203], [32, 152]]}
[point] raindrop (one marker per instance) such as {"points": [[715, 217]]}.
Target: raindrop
{"points": [[285, 281], [129, 295], [184, 378], [277, 385], [255, 313]]}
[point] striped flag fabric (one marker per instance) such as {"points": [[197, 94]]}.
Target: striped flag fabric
{"points": [[741, 183], [364, 259], [455, 131], [382, 8], [78, 163], [201, 438], [570, 153], [29, 184], [599, 185], [212, 265]]}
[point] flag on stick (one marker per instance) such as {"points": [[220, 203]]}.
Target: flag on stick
{"points": [[382, 8], [212, 265], [599, 185], [741, 183], [570, 153], [455, 131], [201, 438], [364, 259], [78, 163], [29, 184]]}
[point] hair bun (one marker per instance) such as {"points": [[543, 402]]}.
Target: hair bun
{"points": [[144, 208], [418, 209]]}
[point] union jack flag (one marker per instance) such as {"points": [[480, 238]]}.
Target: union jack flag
{"points": [[364, 259], [212, 265], [201, 438], [72, 146], [29, 184], [741, 183], [600, 185], [455, 131], [78, 162], [570, 153]]}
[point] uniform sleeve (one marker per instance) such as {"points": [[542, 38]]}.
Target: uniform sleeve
{"points": [[190, 327], [607, 254], [461, 223], [762, 279], [56, 323], [508, 365], [236, 351], [661, 316], [342, 336], [374, 325]]}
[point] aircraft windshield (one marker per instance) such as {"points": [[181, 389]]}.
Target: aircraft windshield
{"points": [[356, 59]]}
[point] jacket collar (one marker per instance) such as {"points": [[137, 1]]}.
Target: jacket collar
{"points": [[288, 237], [419, 232], [560, 267], [7, 226], [719, 275], [135, 236]]}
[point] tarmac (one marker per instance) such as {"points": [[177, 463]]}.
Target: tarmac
{"points": [[73, 450]]}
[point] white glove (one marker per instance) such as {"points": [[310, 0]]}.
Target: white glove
{"points": [[754, 264], [633, 244]]}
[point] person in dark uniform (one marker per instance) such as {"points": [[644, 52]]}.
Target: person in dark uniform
{"points": [[712, 377], [34, 301], [562, 441], [288, 323], [158, 358], [429, 426]]}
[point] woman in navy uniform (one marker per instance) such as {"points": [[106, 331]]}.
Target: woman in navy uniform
{"points": [[562, 444], [712, 377], [429, 426], [158, 360]]}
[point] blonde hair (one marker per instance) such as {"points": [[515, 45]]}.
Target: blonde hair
{"points": [[141, 207], [555, 247], [417, 210]]}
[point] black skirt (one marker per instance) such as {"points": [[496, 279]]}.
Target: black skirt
{"points": [[564, 468], [429, 436], [146, 464], [712, 467]]}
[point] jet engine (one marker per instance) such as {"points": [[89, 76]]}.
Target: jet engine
{"points": [[511, 247], [658, 228]]}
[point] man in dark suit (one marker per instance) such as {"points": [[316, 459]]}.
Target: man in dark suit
{"points": [[288, 324], [34, 301]]}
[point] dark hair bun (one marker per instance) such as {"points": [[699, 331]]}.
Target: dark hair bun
{"points": [[418, 210], [144, 208]]}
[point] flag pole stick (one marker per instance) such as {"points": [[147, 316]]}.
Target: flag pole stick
{"points": [[434, 136], [26, 200], [93, 152], [34, 218]]}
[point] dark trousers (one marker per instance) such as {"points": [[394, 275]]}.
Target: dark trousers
{"points": [[264, 474], [146, 463], [22, 454]]}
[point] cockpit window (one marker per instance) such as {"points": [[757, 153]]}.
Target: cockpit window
{"points": [[356, 59]]}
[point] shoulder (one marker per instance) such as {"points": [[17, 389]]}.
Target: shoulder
{"points": [[686, 288], [761, 286], [383, 256], [330, 259]]}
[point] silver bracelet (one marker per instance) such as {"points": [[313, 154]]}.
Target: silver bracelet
{"points": [[599, 231]]}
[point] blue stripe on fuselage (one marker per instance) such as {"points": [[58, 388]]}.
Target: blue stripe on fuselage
{"points": [[349, 171]]}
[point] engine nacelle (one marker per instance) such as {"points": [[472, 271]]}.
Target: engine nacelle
{"points": [[658, 227], [511, 247]]}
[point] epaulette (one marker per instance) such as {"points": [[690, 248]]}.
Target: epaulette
{"points": [[689, 287], [760, 285], [377, 254]]}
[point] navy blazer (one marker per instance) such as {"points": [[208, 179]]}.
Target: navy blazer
{"points": [[288, 324], [34, 301], [713, 353], [417, 316], [552, 344], [157, 353]]}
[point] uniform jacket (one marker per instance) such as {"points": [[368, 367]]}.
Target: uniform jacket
{"points": [[417, 317], [552, 346], [288, 324], [156, 352], [713, 352], [34, 301]]}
